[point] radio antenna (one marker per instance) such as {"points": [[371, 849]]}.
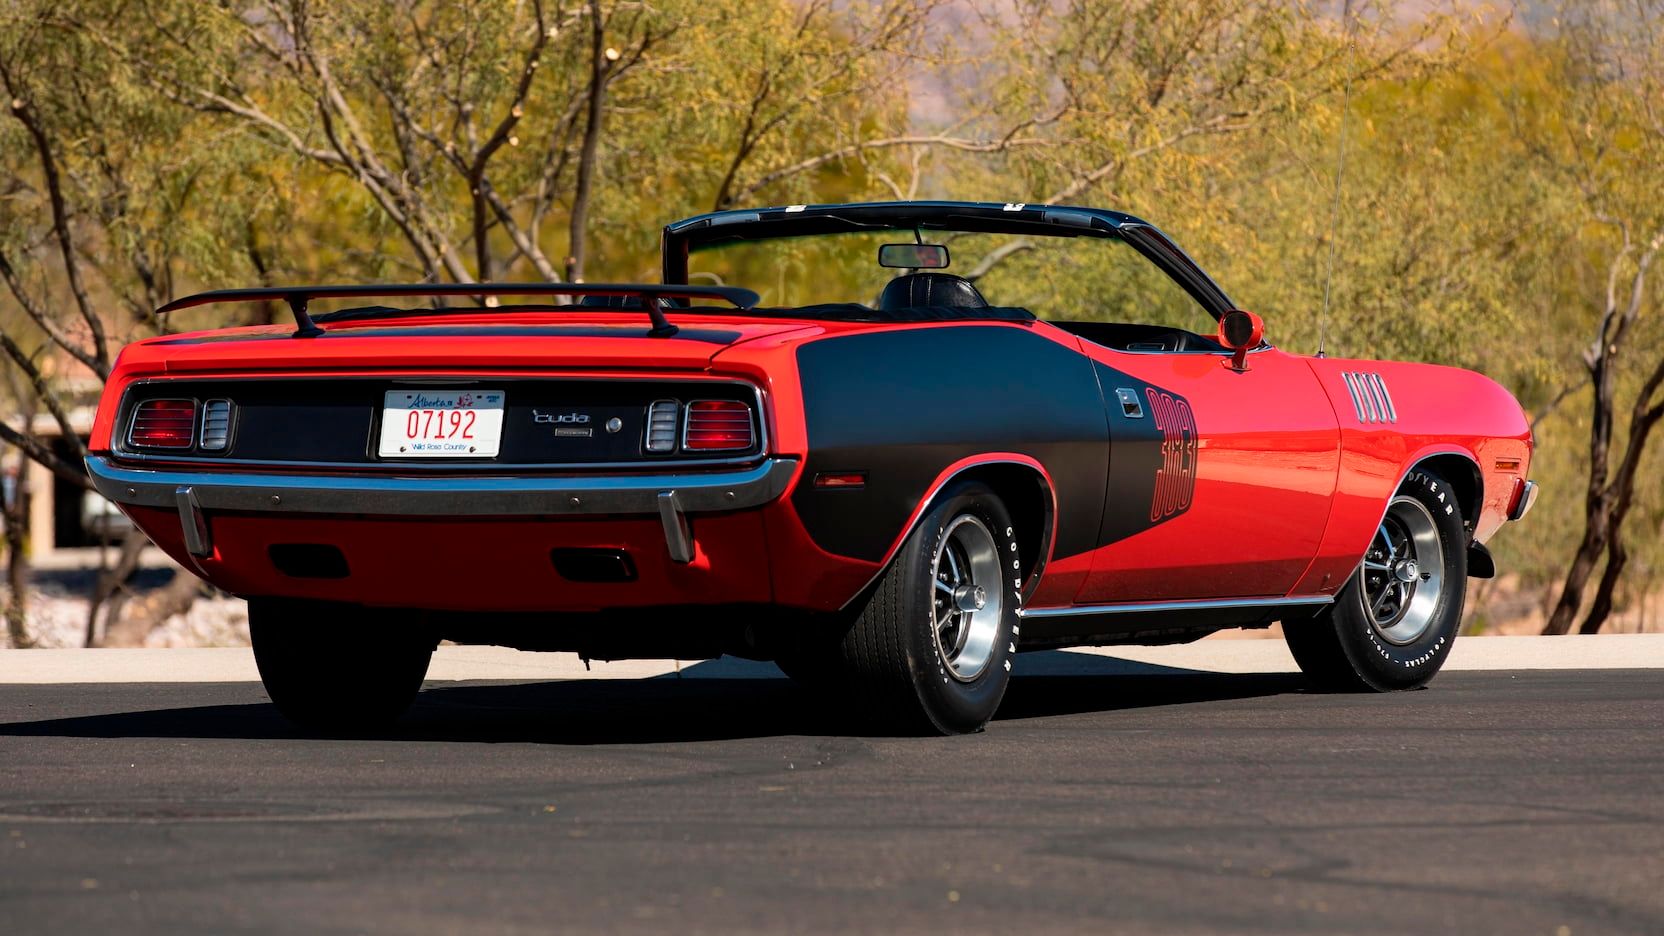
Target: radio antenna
{"points": [[1348, 24]]}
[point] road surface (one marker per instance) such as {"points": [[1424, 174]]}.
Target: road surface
{"points": [[1109, 796]]}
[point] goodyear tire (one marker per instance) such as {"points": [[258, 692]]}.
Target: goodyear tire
{"points": [[1392, 625], [336, 669], [931, 649]]}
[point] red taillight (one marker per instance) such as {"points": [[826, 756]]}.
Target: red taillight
{"points": [[716, 425], [163, 424]]}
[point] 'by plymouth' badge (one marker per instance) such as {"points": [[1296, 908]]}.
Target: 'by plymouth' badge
{"points": [[573, 425]]}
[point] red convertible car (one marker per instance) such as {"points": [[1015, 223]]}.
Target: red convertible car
{"points": [[927, 437]]}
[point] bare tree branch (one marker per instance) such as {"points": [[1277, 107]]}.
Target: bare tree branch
{"points": [[844, 152], [45, 322], [32, 447], [24, 112], [37, 382]]}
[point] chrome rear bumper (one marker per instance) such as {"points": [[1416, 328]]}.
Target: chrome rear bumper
{"points": [[193, 491]]}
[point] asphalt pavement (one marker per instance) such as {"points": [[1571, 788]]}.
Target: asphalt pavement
{"points": [[1109, 796]]}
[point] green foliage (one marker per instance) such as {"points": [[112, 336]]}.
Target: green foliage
{"points": [[1492, 169]]}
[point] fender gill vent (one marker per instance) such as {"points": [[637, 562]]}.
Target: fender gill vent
{"points": [[308, 560], [1370, 398], [216, 425], [661, 426]]}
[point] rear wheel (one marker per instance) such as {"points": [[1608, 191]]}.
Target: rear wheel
{"points": [[931, 649], [337, 668], [1393, 623]]}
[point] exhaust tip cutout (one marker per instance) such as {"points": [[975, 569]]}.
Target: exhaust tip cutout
{"points": [[309, 560]]}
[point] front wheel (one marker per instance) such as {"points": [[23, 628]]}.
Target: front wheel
{"points": [[932, 648], [1392, 625], [337, 668]]}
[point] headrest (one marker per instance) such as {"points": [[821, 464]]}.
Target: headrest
{"points": [[931, 289]]}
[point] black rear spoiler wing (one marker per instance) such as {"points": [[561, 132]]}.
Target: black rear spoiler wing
{"points": [[651, 295]]}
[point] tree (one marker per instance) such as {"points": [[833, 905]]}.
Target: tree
{"points": [[1170, 109], [475, 130], [1499, 190], [336, 141], [101, 206], [14, 520], [1602, 138]]}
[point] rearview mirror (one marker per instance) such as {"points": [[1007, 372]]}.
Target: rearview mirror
{"points": [[913, 256], [1240, 332]]}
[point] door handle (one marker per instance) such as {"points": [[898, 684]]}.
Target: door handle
{"points": [[1130, 407]]}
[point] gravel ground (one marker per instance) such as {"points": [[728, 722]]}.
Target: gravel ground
{"points": [[57, 619]]}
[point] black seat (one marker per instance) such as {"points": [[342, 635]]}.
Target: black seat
{"points": [[610, 302], [930, 289]]}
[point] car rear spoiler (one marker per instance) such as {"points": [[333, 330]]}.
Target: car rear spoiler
{"points": [[651, 295]]}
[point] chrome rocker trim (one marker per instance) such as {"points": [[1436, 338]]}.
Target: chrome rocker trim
{"points": [[1155, 621], [1202, 604], [194, 492]]}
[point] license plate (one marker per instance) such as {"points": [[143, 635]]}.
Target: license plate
{"points": [[441, 424]]}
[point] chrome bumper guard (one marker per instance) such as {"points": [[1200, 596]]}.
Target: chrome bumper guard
{"points": [[670, 496], [1527, 499]]}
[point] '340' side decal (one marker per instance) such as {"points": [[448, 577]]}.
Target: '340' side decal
{"points": [[1176, 478]]}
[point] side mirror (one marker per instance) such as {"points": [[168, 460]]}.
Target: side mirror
{"points": [[1240, 332]]}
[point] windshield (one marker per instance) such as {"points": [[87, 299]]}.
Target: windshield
{"points": [[1085, 278]]}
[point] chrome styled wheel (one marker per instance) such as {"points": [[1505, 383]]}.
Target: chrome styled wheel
{"points": [[969, 600], [1403, 572], [1395, 619]]}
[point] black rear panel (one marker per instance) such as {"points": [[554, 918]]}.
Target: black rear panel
{"points": [[545, 422], [904, 405]]}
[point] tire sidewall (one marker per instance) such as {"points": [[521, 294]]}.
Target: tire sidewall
{"points": [[334, 667], [1385, 665], [953, 704]]}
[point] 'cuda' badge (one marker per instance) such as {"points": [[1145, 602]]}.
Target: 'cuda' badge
{"points": [[570, 419]]}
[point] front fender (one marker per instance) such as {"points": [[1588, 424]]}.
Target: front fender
{"points": [[1433, 413]]}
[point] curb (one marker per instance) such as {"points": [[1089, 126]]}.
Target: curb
{"points": [[450, 664]]}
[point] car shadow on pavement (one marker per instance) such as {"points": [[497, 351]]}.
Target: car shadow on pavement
{"points": [[716, 700]]}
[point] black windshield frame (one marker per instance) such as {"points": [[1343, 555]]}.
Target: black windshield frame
{"points": [[709, 230]]}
